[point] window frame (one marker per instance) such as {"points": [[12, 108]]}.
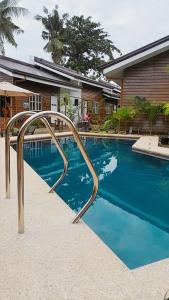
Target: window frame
{"points": [[35, 103], [95, 107], [109, 108]]}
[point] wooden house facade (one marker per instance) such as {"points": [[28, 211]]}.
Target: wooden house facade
{"points": [[144, 73], [51, 83]]}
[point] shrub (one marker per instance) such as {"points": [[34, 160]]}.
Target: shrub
{"points": [[122, 115]]}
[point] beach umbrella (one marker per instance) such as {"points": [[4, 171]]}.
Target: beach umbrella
{"points": [[10, 90]]}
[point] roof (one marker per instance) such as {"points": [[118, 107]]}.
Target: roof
{"points": [[61, 70], [136, 56], [18, 68]]}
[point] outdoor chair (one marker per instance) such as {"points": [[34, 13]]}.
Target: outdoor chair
{"points": [[83, 125]]}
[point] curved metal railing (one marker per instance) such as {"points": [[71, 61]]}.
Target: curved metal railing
{"points": [[7, 149], [20, 164]]}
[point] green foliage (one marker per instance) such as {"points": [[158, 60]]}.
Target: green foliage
{"points": [[115, 120], [88, 45], [125, 113], [152, 113], [142, 104], [151, 110], [54, 33], [76, 42], [110, 123], [166, 109], [8, 29]]}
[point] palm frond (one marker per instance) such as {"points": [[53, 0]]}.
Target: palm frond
{"points": [[14, 11], [38, 17], [45, 10], [8, 29]]}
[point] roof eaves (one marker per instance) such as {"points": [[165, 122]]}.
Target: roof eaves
{"points": [[135, 52], [16, 72], [69, 73]]}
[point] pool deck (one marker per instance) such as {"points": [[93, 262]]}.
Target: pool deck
{"points": [[149, 145], [57, 260]]}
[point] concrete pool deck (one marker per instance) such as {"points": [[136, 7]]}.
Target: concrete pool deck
{"points": [[149, 145], [56, 260]]}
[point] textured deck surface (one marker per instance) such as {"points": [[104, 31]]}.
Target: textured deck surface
{"points": [[149, 145]]}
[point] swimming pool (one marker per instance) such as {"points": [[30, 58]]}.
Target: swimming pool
{"points": [[131, 211]]}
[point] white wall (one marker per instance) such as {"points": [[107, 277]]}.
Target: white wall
{"points": [[71, 95]]}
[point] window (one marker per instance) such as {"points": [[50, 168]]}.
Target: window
{"points": [[115, 107], [109, 108], [95, 107], [35, 103], [76, 102]]}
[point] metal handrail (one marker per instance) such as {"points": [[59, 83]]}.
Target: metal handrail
{"points": [[20, 165], [7, 149]]}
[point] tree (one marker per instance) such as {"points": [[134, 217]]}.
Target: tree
{"points": [[142, 104], [152, 113], [88, 45], [151, 110], [76, 42], [54, 33], [9, 9]]}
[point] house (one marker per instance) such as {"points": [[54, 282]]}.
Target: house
{"points": [[54, 86], [25, 75], [145, 73], [100, 97]]}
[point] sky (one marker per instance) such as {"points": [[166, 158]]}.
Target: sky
{"points": [[130, 23]]}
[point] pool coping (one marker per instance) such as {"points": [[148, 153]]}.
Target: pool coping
{"points": [[147, 282], [85, 134], [149, 145]]}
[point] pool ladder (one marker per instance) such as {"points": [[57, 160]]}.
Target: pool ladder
{"points": [[33, 116]]}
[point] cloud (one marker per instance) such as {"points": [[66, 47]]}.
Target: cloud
{"points": [[130, 23]]}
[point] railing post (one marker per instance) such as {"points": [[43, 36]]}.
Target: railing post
{"points": [[7, 149], [20, 178], [20, 168]]}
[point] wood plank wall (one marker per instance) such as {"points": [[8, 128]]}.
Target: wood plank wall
{"points": [[148, 79], [90, 93], [45, 91], [5, 77]]}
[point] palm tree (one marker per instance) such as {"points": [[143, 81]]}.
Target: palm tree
{"points": [[9, 9], [54, 33]]}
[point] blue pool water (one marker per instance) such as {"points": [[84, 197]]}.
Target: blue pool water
{"points": [[131, 211]]}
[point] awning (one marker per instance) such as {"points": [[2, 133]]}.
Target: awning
{"points": [[10, 90], [112, 96]]}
